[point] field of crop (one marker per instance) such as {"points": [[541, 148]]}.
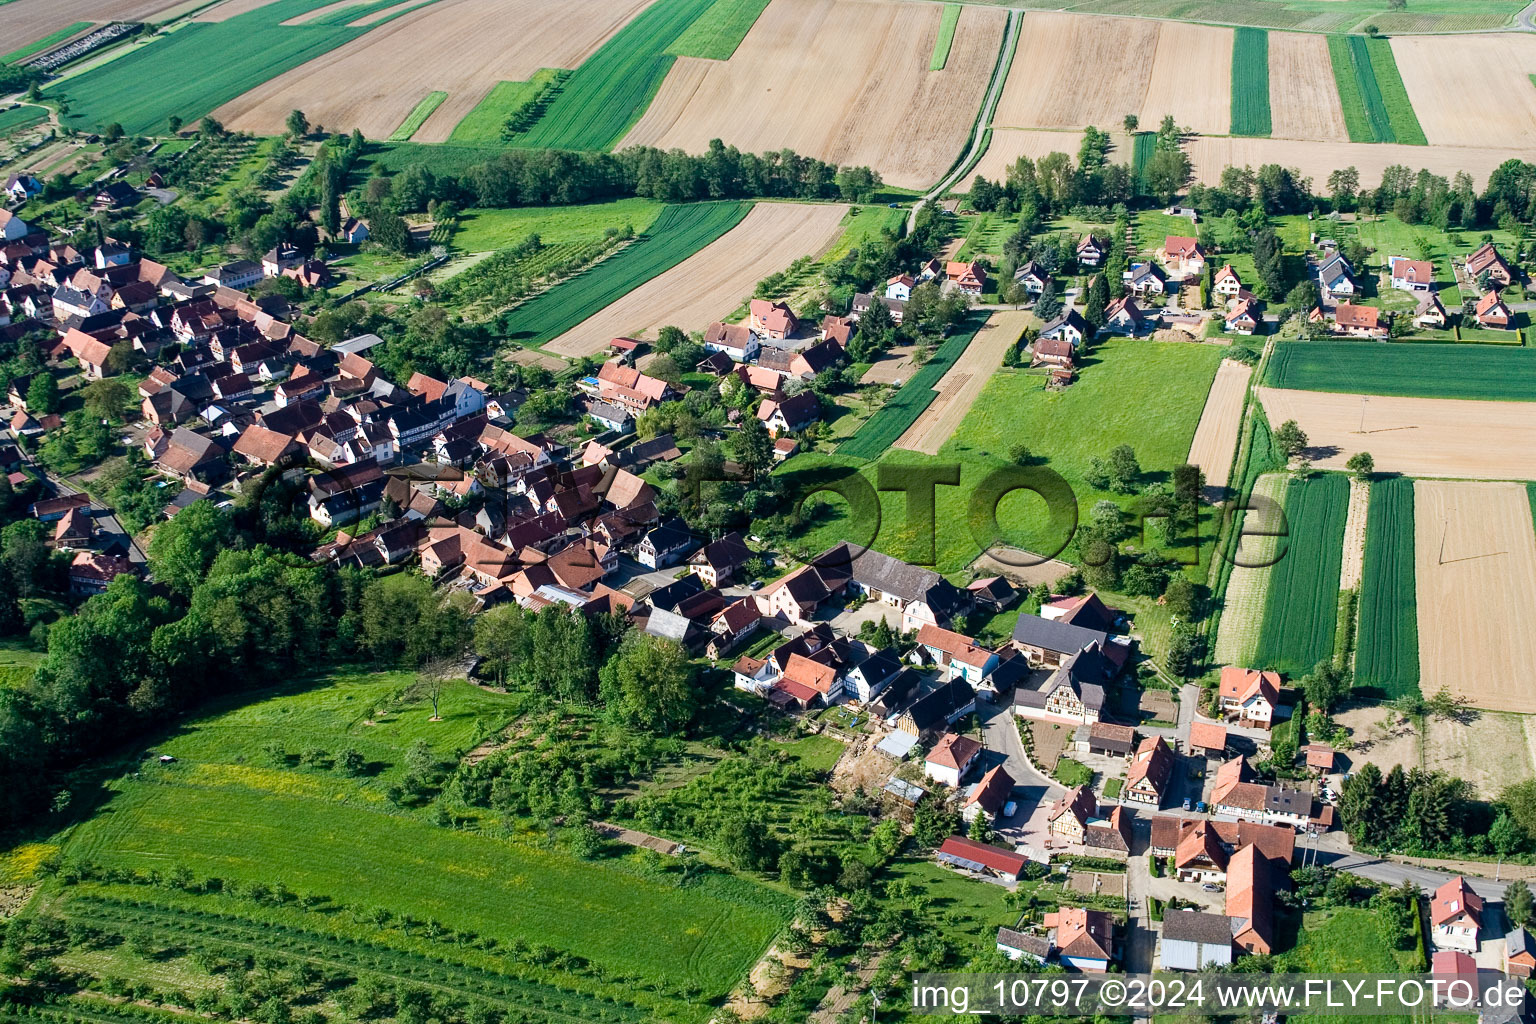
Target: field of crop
{"points": [[1387, 655], [611, 89], [51, 39], [413, 122], [719, 30], [1301, 610], [881, 430], [229, 807], [189, 72], [1142, 148], [1375, 102], [712, 282], [482, 126], [1310, 15], [678, 233], [23, 22], [1419, 371], [965, 379], [833, 63], [1250, 82], [1149, 396], [1242, 609], [373, 82], [486, 230], [1303, 100], [946, 36], [1471, 89], [23, 116]]}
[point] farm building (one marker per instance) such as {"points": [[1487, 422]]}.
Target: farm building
{"points": [[1207, 739], [981, 858], [1192, 940]]}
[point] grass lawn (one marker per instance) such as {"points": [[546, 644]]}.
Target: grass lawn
{"points": [[482, 126], [17, 661], [485, 230], [1145, 394], [1152, 227], [968, 907], [222, 810]]}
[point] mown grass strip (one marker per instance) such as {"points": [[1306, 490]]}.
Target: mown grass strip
{"points": [[719, 30], [945, 38], [606, 95], [892, 419], [1394, 94], [1411, 371], [1250, 82], [1356, 120], [483, 125], [418, 117], [1301, 611], [1370, 90], [678, 233], [50, 40], [1387, 659]]}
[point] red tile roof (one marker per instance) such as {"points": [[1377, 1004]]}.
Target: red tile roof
{"points": [[994, 857], [1208, 736], [952, 750]]}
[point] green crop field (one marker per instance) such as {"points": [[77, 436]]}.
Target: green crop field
{"points": [[1387, 657], [1147, 395], [52, 39], [1310, 15], [600, 100], [482, 126], [23, 116], [1250, 82], [226, 809], [945, 38], [719, 30], [1301, 611], [678, 233], [491, 229], [1409, 370], [189, 72], [1371, 90], [418, 117], [882, 429], [1143, 145]]}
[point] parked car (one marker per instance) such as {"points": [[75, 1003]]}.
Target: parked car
{"points": [[1210, 887], [755, 585], [1186, 803], [1200, 806]]}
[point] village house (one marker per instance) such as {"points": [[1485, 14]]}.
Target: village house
{"points": [[1486, 260], [717, 562], [862, 301], [91, 572], [1249, 695], [935, 710], [951, 758], [1084, 939], [900, 287], [1227, 284], [1070, 815], [74, 530], [1493, 311], [21, 187], [91, 352], [970, 278], [957, 656], [809, 682], [1358, 321], [1183, 257], [1058, 354], [1069, 326], [1411, 275], [871, 675], [1144, 279], [1193, 939], [12, 227], [280, 258], [1026, 946], [1091, 251], [1235, 793], [1122, 316], [733, 340], [791, 415], [799, 596], [1455, 916], [1146, 780], [773, 320], [1031, 278], [1243, 318], [239, 275], [1431, 312], [922, 596], [1519, 954], [1336, 278]]}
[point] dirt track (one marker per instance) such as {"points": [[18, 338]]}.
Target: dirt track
{"points": [[1216, 436], [375, 81], [1475, 560], [1353, 565], [1303, 101], [714, 280], [1470, 90], [963, 381], [1413, 436], [843, 80]]}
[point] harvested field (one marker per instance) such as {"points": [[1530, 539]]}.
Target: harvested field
{"points": [[1303, 101], [25, 21], [835, 66], [1316, 160], [1354, 534], [1242, 614], [226, 9], [1216, 436], [1470, 89], [1475, 564], [714, 280], [895, 365], [1491, 751], [1142, 67], [964, 380], [534, 357], [1413, 436], [373, 82]]}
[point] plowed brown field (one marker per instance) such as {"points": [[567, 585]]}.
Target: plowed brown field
{"points": [[1471, 90], [1073, 70], [375, 81], [26, 21], [1475, 564], [713, 281], [963, 381], [1413, 436], [1303, 101], [843, 80]]}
